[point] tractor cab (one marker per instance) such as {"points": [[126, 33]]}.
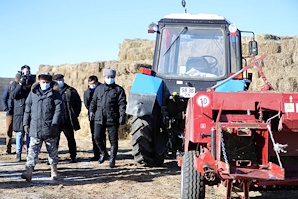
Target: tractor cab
{"points": [[194, 52]]}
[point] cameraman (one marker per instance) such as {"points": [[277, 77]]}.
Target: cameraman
{"points": [[18, 93]]}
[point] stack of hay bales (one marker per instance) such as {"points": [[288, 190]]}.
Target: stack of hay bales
{"points": [[280, 67]]}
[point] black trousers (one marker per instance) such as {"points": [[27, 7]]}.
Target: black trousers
{"points": [[95, 147], [69, 134], [100, 134]]}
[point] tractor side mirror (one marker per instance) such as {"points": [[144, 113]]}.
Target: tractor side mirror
{"points": [[253, 48], [152, 28]]}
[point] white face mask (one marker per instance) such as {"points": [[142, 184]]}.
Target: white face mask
{"points": [[92, 86], [44, 86], [60, 83], [110, 80]]}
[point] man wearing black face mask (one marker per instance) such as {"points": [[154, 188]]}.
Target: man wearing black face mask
{"points": [[107, 108], [18, 93], [92, 85]]}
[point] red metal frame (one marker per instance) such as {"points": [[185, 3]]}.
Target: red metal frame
{"points": [[210, 113], [223, 111]]}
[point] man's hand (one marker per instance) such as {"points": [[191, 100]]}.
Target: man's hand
{"points": [[122, 120], [91, 116], [26, 129], [20, 81]]}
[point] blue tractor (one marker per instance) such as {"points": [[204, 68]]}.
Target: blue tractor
{"points": [[192, 53]]}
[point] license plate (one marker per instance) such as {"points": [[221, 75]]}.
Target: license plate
{"points": [[187, 92]]}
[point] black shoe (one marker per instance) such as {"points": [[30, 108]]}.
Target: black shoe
{"points": [[102, 158], [8, 151], [94, 159], [112, 163], [114, 150], [73, 160]]}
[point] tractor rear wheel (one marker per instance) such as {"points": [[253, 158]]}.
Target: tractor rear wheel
{"points": [[148, 142], [192, 182]]}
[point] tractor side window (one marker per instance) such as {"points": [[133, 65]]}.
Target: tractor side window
{"points": [[236, 57], [168, 50]]}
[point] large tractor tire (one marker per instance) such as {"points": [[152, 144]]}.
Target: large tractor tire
{"points": [[148, 142], [192, 182]]}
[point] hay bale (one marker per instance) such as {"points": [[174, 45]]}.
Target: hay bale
{"points": [[136, 50], [278, 60], [289, 44]]}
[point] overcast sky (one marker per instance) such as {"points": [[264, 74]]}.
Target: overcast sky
{"points": [[55, 32]]}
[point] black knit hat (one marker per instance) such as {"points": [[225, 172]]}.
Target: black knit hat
{"points": [[58, 76], [25, 66]]}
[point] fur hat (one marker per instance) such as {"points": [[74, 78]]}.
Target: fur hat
{"points": [[45, 76], [109, 72]]}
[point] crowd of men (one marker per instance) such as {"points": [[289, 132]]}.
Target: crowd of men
{"points": [[38, 110]]}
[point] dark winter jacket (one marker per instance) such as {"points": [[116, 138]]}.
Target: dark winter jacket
{"points": [[108, 103], [6, 102], [43, 109], [72, 105], [18, 94], [88, 94]]}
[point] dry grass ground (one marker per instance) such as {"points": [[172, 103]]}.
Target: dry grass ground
{"points": [[90, 180]]}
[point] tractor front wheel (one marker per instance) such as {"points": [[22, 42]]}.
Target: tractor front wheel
{"points": [[192, 182], [148, 142]]}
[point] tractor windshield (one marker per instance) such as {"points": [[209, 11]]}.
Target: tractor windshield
{"points": [[189, 52]]}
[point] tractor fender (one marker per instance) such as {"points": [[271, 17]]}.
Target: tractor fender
{"points": [[144, 92]]}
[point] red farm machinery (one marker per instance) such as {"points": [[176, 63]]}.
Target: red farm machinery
{"points": [[239, 139]]}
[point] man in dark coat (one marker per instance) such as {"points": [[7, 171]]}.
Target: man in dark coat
{"points": [[108, 110], [19, 92], [92, 85], [41, 119], [72, 105], [7, 105]]}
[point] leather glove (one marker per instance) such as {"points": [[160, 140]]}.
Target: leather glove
{"points": [[26, 129], [122, 120], [91, 116], [54, 129]]}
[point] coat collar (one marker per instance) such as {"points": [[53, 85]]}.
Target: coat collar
{"points": [[36, 89]]}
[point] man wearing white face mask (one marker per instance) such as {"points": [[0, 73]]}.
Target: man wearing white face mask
{"points": [[88, 94], [41, 119], [107, 108], [72, 104]]}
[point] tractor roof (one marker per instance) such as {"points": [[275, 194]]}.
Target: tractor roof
{"points": [[195, 17]]}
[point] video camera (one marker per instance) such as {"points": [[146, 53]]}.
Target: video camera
{"points": [[27, 79]]}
